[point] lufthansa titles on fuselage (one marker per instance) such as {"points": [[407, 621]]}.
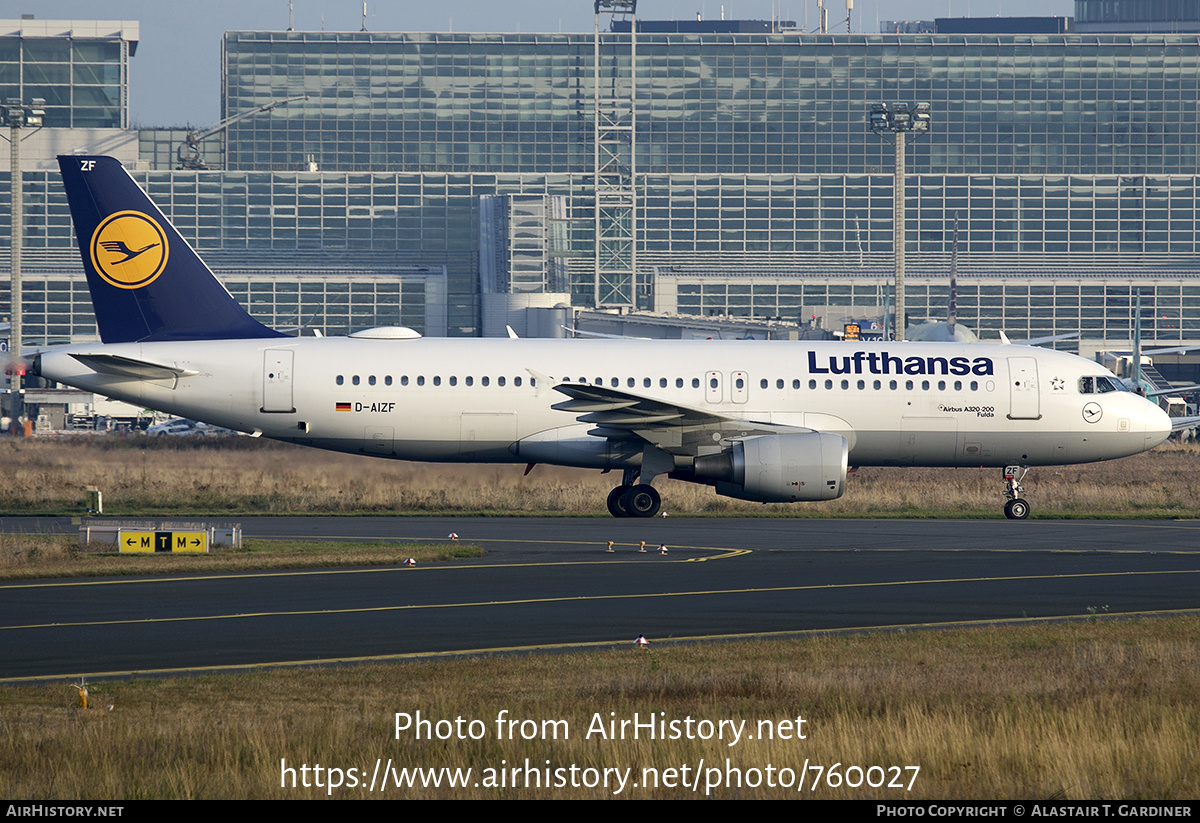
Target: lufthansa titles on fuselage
{"points": [[883, 362]]}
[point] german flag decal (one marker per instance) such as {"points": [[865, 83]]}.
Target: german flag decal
{"points": [[343, 407]]}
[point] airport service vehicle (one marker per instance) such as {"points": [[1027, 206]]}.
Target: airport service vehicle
{"points": [[767, 421]]}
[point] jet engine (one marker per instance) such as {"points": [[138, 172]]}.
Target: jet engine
{"points": [[778, 468]]}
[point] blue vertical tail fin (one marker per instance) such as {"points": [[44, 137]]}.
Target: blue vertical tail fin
{"points": [[146, 281]]}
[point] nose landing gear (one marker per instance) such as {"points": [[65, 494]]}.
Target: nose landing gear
{"points": [[1016, 508]]}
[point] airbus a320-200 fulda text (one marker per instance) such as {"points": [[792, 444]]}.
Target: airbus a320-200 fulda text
{"points": [[762, 421]]}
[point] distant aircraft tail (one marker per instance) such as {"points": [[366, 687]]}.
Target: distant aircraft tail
{"points": [[146, 281]]}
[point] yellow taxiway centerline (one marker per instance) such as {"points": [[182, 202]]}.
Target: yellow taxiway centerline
{"points": [[587, 598], [387, 658]]}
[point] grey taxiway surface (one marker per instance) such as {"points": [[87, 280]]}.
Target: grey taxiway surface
{"points": [[550, 584]]}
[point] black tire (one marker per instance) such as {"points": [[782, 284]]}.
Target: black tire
{"points": [[614, 501], [1016, 509], [641, 501]]}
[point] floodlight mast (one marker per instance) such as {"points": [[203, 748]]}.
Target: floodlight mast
{"points": [[897, 120], [18, 116]]}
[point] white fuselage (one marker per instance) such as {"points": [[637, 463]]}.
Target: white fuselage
{"points": [[926, 404]]}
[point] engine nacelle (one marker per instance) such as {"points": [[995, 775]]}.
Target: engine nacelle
{"points": [[779, 468]]}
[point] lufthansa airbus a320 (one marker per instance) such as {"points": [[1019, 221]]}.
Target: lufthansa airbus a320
{"points": [[762, 421]]}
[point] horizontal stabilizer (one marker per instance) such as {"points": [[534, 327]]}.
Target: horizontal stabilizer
{"points": [[128, 367]]}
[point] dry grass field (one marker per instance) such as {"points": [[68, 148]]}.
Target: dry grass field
{"points": [[227, 476], [1104, 710]]}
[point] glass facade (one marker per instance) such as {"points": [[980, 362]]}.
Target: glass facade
{"points": [[1137, 15], [80, 68], [1101, 304], [58, 309], [1070, 162], [265, 235], [716, 103]]}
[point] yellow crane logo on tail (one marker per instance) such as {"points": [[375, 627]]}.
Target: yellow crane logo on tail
{"points": [[129, 250]]}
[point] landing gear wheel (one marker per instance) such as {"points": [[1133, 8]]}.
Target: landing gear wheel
{"points": [[641, 501], [614, 501], [1016, 509]]}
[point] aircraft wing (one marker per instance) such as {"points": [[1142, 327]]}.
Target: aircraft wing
{"points": [[1178, 424], [676, 429], [582, 333], [1037, 341], [1171, 350], [1180, 390]]}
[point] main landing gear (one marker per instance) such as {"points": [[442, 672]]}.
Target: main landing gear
{"points": [[631, 499], [1015, 508]]}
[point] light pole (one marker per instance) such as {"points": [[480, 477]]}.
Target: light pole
{"points": [[18, 116], [898, 120]]}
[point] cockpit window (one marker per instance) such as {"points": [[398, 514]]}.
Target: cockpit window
{"points": [[1098, 385]]}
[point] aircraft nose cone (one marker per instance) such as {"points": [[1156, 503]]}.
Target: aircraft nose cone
{"points": [[1158, 425]]}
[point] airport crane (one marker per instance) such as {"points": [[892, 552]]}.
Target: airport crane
{"points": [[189, 149]]}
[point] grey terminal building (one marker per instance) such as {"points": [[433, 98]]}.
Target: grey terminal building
{"points": [[445, 181]]}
